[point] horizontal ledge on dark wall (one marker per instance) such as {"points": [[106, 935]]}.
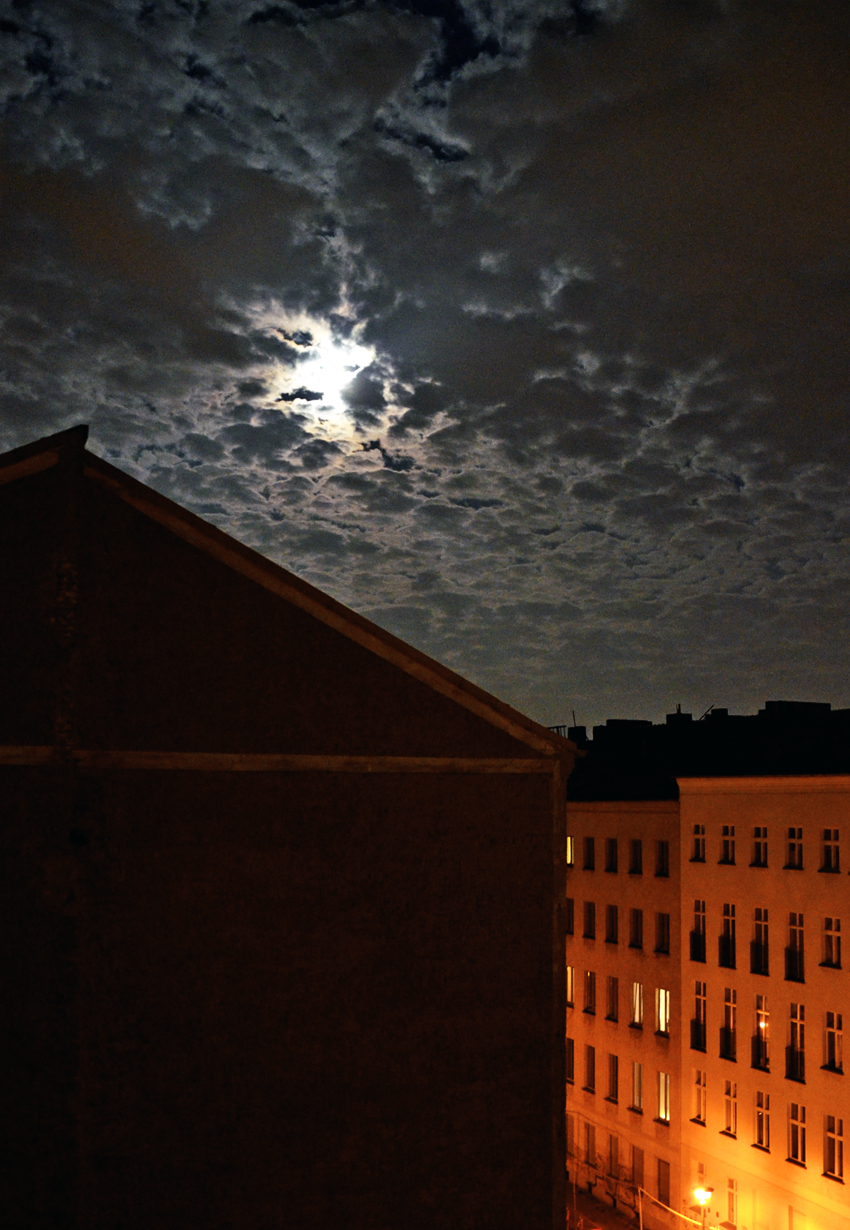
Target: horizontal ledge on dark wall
{"points": [[267, 762]]}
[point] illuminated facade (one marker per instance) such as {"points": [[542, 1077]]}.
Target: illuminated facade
{"points": [[758, 1107]]}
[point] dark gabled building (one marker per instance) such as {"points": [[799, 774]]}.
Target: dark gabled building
{"points": [[282, 898]]}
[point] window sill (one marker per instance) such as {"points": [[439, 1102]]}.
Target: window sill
{"points": [[589, 1011], [661, 952], [730, 1135], [613, 1019], [829, 965], [662, 875], [571, 1080], [587, 1089], [798, 1080], [636, 947], [761, 1148], [663, 1033], [828, 1067], [829, 871], [700, 1122], [608, 940], [636, 1110], [635, 873], [758, 864], [613, 1101], [663, 1122], [835, 1178], [793, 867], [794, 1162], [696, 860], [635, 1025], [726, 862]]}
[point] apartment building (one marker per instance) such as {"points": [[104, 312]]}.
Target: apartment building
{"points": [[735, 1085]]}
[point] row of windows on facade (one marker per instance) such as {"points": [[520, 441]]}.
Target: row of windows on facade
{"points": [[612, 925], [794, 962], [631, 1173], [636, 1103], [612, 1000], [760, 1052], [612, 855], [833, 1133], [830, 858]]}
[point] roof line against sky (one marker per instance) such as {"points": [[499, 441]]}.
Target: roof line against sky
{"points": [[45, 453]]}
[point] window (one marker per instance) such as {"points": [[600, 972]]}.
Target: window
{"points": [[571, 1135], [731, 1202], [612, 924], [698, 932], [794, 971], [829, 854], [613, 1078], [637, 1005], [590, 1144], [570, 916], [698, 855], [590, 1069], [571, 985], [832, 942], [729, 1028], [761, 1132], [833, 1048], [727, 844], [794, 860], [571, 1061], [613, 999], [613, 1156], [589, 920], [637, 1086], [761, 1056], [589, 853], [571, 852], [662, 1011], [795, 1052], [759, 962], [730, 1108], [637, 1166], [635, 857], [662, 933], [664, 1097], [698, 1021], [662, 858], [833, 1147], [797, 1133], [635, 928], [759, 847], [611, 854], [699, 1096], [664, 1181], [726, 946], [589, 991]]}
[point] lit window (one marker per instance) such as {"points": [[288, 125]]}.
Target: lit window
{"points": [[637, 1005], [761, 1135], [727, 844], [662, 1011], [797, 1133], [833, 1147], [761, 1056], [571, 986], [731, 1202], [664, 1097], [834, 1042], [699, 1095], [832, 942], [829, 858], [730, 1108], [794, 860], [589, 991], [571, 858]]}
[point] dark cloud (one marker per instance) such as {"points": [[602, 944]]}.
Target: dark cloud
{"points": [[519, 327]]}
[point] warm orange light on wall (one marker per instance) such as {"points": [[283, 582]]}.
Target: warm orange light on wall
{"points": [[703, 1194]]}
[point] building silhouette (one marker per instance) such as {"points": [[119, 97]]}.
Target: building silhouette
{"points": [[706, 982], [282, 898]]}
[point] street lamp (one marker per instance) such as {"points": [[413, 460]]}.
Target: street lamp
{"points": [[703, 1195]]}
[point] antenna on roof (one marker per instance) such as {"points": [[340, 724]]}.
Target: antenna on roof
{"points": [[705, 715], [575, 723]]}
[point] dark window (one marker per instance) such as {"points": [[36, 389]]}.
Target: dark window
{"points": [[698, 855], [612, 924], [729, 1028], [589, 920], [698, 1019], [795, 1052], [832, 943], [794, 969], [570, 916], [759, 847], [635, 928], [613, 1078], [662, 858], [662, 933], [794, 861], [761, 1036], [589, 991], [589, 853], [636, 857], [664, 1181], [833, 1042], [590, 1068], [613, 995], [571, 1060], [759, 955], [698, 932], [726, 946], [829, 856], [610, 853], [727, 844]]}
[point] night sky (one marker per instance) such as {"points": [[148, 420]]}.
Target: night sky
{"points": [[520, 327]]}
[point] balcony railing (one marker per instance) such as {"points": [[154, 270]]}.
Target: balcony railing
{"points": [[697, 1035], [759, 1053], [794, 965], [697, 945], [726, 951], [758, 958], [728, 1043], [795, 1064]]}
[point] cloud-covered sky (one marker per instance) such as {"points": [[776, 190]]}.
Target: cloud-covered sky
{"points": [[521, 327]]}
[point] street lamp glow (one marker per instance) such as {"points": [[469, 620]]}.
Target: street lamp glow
{"points": [[703, 1194]]}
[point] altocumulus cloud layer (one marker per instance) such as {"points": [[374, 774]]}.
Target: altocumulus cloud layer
{"points": [[518, 326]]}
